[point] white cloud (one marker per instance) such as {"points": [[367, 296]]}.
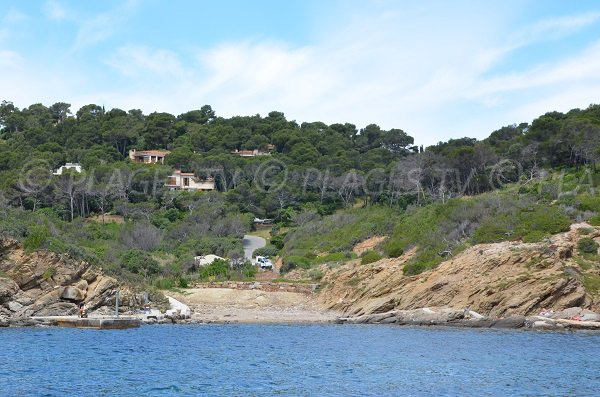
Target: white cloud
{"points": [[93, 30], [138, 61], [10, 59], [54, 10], [426, 69]]}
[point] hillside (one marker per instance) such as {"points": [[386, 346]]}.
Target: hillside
{"points": [[140, 196], [497, 280]]}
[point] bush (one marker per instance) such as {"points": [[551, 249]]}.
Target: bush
{"points": [[48, 274], [269, 251], [587, 202], [293, 262], [316, 275], [217, 270], [394, 249], [139, 262], [278, 240], [164, 283], [530, 225], [332, 257], [587, 245], [369, 257], [36, 237], [182, 282], [594, 220]]}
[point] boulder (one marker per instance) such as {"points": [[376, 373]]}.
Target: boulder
{"points": [[588, 315], [90, 275], [73, 294], [545, 324], [14, 306], [567, 313], [82, 285], [510, 322], [8, 288], [4, 317], [58, 309]]}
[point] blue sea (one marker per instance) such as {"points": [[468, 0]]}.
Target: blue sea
{"points": [[297, 360]]}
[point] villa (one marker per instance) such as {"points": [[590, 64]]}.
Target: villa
{"points": [[68, 166], [188, 181], [148, 156], [254, 152]]}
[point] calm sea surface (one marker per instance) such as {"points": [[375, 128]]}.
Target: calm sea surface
{"points": [[310, 360]]}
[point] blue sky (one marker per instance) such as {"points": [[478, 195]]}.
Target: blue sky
{"points": [[437, 69]]}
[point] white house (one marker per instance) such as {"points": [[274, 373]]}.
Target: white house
{"points": [[68, 166], [188, 181]]}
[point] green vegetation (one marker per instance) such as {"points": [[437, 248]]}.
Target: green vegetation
{"points": [[591, 282], [336, 235], [441, 230], [220, 270], [268, 250], [293, 262], [370, 257], [587, 246], [326, 188], [48, 274]]}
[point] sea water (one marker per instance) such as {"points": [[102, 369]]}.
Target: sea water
{"points": [[297, 360]]}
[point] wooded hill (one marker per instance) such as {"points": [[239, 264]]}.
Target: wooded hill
{"points": [[311, 170]]}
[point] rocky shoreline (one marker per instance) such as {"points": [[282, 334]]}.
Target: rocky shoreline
{"points": [[426, 317], [569, 319]]}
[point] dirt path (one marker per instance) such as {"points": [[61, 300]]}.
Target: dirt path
{"points": [[253, 306]]}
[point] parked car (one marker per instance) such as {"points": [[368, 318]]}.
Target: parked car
{"points": [[264, 262]]}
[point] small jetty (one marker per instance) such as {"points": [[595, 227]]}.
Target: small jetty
{"points": [[103, 322]]}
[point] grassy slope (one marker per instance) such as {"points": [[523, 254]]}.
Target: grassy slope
{"points": [[528, 212]]}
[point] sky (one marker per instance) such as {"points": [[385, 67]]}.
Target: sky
{"points": [[436, 69]]}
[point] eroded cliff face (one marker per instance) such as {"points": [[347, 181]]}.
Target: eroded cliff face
{"points": [[497, 280], [45, 283]]}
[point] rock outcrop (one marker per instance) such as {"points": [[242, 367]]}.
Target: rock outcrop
{"points": [[45, 283], [498, 280], [470, 319]]}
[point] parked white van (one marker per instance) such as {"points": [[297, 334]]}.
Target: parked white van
{"points": [[263, 262]]}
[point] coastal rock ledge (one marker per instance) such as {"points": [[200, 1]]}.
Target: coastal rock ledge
{"points": [[44, 283], [572, 318]]}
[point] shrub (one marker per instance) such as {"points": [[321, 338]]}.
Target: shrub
{"points": [[248, 271], [394, 249], [269, 251], [218, 269], [36, 237], [293, 262], [594, 220], [531, 225], [278, 240], [587, 245], [585, 230], [48, 274], [591, 282], [139, 262], [164, 283], [370, 257], [316, 275], [587, 202], [543, 221], [332, 257], [182, 282], [492, 231]]}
